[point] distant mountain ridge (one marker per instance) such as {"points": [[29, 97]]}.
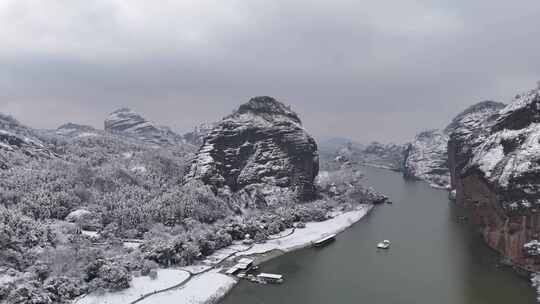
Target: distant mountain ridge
{"points": [[128, 122]]}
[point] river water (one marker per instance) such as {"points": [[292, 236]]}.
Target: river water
{"points": [[434, 258]]}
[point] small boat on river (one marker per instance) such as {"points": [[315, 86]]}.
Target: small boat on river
{"points": [[384, 244], [325, 240]]}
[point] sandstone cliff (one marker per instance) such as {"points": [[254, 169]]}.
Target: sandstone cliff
{"points": [[427, 158], [494, 160]]}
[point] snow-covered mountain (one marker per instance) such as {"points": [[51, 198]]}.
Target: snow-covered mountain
{"points": [[19, 143], [495, 165], [73, 129], [127, 122], [263, 142], [426, 157], [136, 179]]}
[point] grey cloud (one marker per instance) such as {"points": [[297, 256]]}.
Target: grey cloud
{"points": [[362, 69]]}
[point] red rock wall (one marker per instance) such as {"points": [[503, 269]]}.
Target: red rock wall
{"points": [[503, 232]]}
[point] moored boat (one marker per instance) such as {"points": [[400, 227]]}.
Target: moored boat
{"points": [[384, 244], [325, 240]]}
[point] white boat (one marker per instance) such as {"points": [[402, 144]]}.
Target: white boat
{"points": [[325, 240], [384, 244]]}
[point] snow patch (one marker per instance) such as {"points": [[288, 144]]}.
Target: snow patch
{"points": [[138, 169], [204, 288], [91, 234], [535, 280], [87, 134], [139, 286]]}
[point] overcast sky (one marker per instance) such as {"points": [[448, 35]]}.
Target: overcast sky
{"points": [[363, 69]]}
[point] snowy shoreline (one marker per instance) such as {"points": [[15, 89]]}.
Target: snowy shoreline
{"points": [[197, 290], [199, 284]]}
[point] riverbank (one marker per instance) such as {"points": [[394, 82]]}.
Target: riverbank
{"points": [[207, 284], [211, 286], [434, 258]]}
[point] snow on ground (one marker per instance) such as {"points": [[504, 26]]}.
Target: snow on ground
{"points": [[196, 269], [523, 159], [535, 280], [92, 234], [212, 285], [139, 286], [139, 169], [87, 134], [221, 254], [133, 245], [201, 289], [313, 232], [6, 146], [5, 279]]}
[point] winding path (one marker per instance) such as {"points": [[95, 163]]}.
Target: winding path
{"points": [[192, 275]]}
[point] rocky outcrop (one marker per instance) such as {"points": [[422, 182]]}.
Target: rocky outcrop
{"points": [[495, 166], [196, 137], [263, 142], [18, 142], [427, 157], [127, 122], [464, 134]]}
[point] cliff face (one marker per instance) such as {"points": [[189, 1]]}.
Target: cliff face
{"points": [[494, 160], [263, 142], [427, 156], [426, 159], [465, 134], [196, 137]]}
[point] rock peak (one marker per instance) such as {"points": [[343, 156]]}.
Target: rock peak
{"points": [[126, 121], [8, 119], [123, 119], [477, 112], [265, 106], [262, 143], [123, 110]]}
